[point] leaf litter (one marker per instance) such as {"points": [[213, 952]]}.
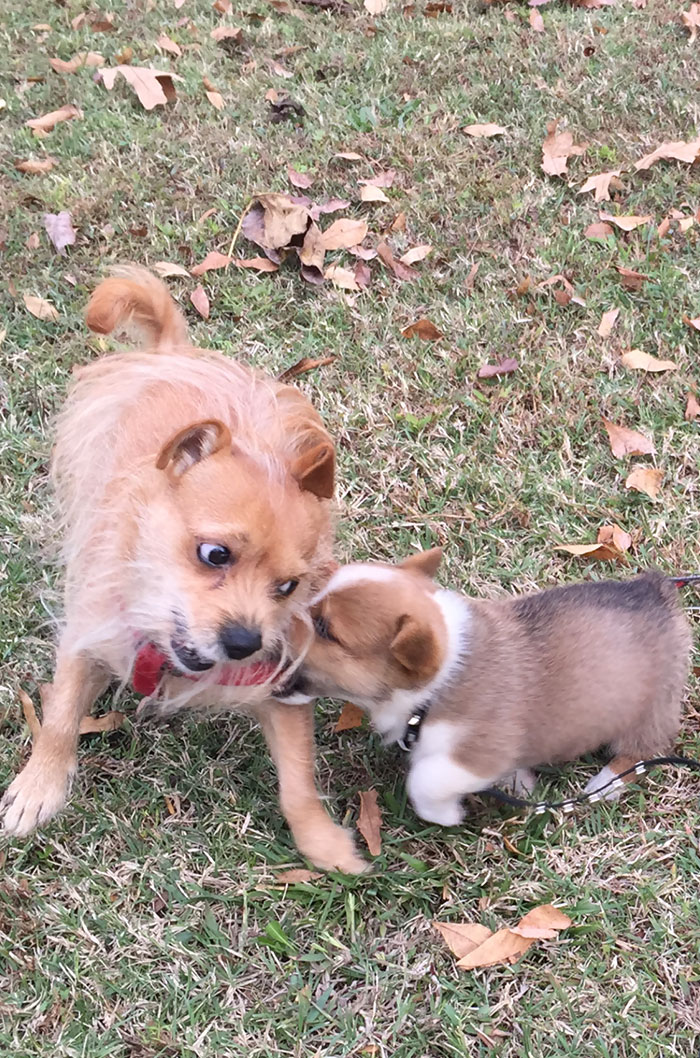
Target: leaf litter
{"points": [[626, 442], [645, 479], [476, 946], [152, 87], [60, 230], [369, 822]]}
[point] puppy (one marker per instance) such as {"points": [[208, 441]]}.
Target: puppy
{"points": [[194, 495], [481, 691]]}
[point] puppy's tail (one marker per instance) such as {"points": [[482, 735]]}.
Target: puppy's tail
{"points": [[133, 300]]}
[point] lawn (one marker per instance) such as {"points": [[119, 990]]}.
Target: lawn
{"points": [[146, 921]]}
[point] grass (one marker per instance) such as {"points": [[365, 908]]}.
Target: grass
{"points": [[129, 931]]}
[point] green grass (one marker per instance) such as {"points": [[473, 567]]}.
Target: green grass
{"points": [[126, 931]]}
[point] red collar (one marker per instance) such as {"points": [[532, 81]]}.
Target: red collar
{"points": [[151, 663]]}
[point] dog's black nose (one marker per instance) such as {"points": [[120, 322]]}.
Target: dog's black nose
{"points": [[239, 641]]}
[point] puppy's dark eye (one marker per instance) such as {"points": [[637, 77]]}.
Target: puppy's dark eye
{"points": [[322, 629], [213, 554], [286, 588]]}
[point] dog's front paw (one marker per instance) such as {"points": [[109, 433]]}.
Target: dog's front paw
{"points": [[35, 796], [604, 784], [448, 813], [332, 850]]}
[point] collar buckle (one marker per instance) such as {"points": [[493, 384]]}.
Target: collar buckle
{"points": [[413, 726]]}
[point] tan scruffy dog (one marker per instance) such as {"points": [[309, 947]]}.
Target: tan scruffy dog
{"points": [[486, 690], [194, 495]]}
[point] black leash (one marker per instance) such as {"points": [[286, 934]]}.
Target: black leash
{"points": [[570, 803]]}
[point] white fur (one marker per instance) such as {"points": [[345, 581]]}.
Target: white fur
{"points": [[357, 573], [391, 717], [605, 775], [436, 783]]}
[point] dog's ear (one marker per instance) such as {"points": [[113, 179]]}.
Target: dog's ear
{"points": [[192, 445], [314, 469], [426, 562], [416, 648]]}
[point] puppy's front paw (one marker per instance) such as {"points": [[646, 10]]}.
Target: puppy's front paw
{"points": [[332, 850], [600, 782], [444, 813], [35, 796]]}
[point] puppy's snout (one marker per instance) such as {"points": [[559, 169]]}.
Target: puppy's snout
{"points": [[239, 641]]}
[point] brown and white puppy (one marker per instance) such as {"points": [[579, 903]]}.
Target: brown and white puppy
{"points": [[506, 685], [194, 495]]}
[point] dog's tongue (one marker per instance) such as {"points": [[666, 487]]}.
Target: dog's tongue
{"points": [[150, 663]]}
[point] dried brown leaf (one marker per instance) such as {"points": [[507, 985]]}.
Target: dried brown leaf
{"points": [[630, 279], [463, 937], [212, 261], [224, 7], [30, 716], [302, 180], [418, 253], [693, 324], [543, 922], [216, 99], [679, 151], [692, 408], [83, 58], [627, 223], [165, 269], [36, 165], [349, 156], [598, 231], [331, 206], [363, 276], [641, 361], [39, 307], [536, 21], [296, 874], [504, 367], [608, 321], [166, 44], [33, 241], [501, 947], [344, 233], [341, 277], [600, 184], [153, 87], [49, 121], [400, 270], [274, 220], [424, 329], [259, 264], [605, 551], [60, 230], [615, 535], [645, 479], [625, 442], [226, 33], [351, 716], [383, 179], [557, 148], [484, 131], [370, 821], [691, 20], [306, 364], [370, 193], [199, 299], [312, 254], [469, 281]]}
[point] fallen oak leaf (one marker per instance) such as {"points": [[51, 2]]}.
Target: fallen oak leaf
{"points": [[351, 716], [693, 324], [401, 271], [212, 261], [83, 58], [504, 367], [418, 253], [312, 255], [349, 156], [692, 408], [615, 535], [557, 148], [260, 264], [542, 923], [39, 307], [297, 874], [102, 23], [60, 230], [226, 33], [165, 269], [35, 166], [601, 551], [626, 442], [626, 223], [302, 180], [384, 179], [199, 299], [641, 361], [341, 277], [365, 253], [691, 21], [630, 279], [484, 131], [600, 184], [215, 98], [645, 479], [306, 364], [153, 87], [370, 193], [424, 329], [47, 122], [598, 230], [224, 7], [679, 151], [274, 220], [462, 937], [608, 321], [362, 274], [33, 241], [331, 206], [165, 43], [501, 947], [344, 233], [370, 821]]}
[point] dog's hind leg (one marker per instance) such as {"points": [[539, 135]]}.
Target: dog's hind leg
{"points": [[41, 788], [289, 730]]}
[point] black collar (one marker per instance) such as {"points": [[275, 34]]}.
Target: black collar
{"points": [[413, 726]]}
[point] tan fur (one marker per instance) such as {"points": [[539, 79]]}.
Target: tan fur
{"points": [[155, 455], [539, 679]]}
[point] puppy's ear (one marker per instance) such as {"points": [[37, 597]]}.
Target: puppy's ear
{"points": [[416, 648], [426, 562], [314, 469], [192, 445]]}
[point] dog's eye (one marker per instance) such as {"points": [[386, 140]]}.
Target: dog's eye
{"points": [[213, 554], [323, 630], [286, 588]]}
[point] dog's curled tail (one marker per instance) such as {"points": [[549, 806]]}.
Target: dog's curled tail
{"points": [[133, 299]]}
